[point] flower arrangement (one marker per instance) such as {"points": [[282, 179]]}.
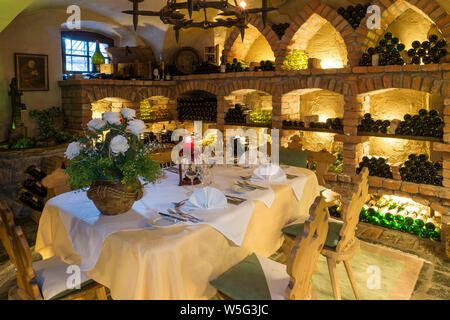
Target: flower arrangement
{"points": [[297, 60], [111, 150]]}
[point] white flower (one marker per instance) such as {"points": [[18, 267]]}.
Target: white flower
{"points": [[136, 127], [73, 150], [119, 144], [128, 113], [111, 117], [95, 124]]}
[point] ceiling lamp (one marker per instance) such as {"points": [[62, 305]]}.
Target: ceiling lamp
{"points": [[170, 14]]}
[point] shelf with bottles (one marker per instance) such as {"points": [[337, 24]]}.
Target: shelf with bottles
{"points": [[417, 169], [197, 107], [389, 51], [402, 214], [332, 125], [424, 126]]}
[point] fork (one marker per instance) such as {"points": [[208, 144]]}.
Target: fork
{"points": [[188, 216]]}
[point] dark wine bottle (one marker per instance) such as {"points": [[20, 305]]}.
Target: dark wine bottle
{"points": [[30, 201], [35, 172], [33, 186]]}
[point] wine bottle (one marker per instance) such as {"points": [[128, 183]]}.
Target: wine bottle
{"points": [[30, 201], [35, 172], [97, 58], [34, 187]]}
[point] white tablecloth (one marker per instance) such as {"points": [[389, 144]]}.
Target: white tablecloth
{"points": [[171, 263]]}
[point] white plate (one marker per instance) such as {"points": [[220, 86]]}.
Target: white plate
{"points": [[163, 222]]}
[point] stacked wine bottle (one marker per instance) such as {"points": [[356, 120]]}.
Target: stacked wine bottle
{"points": [[419, 169], [332, 123], [427, 52], [354, 14], [388, 213], [236, 66], [378, 167], [423, 124], [388, 49], [293, 124], [206, 68], [280, 29], [31, 191], [265, 66], [236, 115], [204, 109], [370, 125]]}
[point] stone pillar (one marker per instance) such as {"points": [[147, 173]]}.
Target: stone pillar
{"points": [[276, 112], [353, 145]]}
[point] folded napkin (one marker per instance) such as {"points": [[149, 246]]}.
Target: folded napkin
{"points": [[269, 173], [253, 157], [206, 199]]}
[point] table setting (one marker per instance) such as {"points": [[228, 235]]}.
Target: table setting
{"points": [[185, 224]]}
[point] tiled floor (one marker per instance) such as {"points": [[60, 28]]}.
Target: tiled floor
{"points": [[433, 283]]}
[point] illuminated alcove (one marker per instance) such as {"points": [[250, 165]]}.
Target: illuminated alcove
{"points": [[390, 104], [322, 41]]}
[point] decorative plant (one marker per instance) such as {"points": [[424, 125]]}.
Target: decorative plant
{"points": [[23, 143], [46, 119], [111, 150], [297, 60]]}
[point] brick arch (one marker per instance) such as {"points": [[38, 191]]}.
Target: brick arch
{"points": [[391, 10], [133, 94], [256, 22], [422, 83], [187, 86], [339, 86], [325, 12], [259, 85]]}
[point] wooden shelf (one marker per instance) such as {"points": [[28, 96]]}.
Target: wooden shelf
{"points": [[313, 130], [207, 122], [397, 136], [254, 125], [157, 120]]}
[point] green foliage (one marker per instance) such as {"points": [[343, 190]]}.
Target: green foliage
{"points": [[23, 144], [96, 161], [297, 60], [46, 119]]}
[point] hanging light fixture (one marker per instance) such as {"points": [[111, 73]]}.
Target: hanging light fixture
{"points": [[170, 14]]}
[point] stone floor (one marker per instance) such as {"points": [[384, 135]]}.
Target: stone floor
{"points": [[433, 283]]}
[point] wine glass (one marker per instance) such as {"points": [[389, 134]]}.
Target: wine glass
{"points": [[191, 173]]}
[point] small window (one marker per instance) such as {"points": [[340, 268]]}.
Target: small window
{"points": [[78, 49]]}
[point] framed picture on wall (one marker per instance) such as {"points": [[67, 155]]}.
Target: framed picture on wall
{"points": [[31, 71]]}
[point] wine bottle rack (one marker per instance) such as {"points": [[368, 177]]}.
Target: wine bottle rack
{"points": [[398, 136], [313, 129]]}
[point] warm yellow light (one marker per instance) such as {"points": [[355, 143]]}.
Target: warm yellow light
{"points": [[243, 4], [331, 63]]}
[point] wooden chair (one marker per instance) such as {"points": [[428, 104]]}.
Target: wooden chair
{"points": [[341, 244], [323, 159], [274, 281], [164, 158], [348, 245], [45, 279]]}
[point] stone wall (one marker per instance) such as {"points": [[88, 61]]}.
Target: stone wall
{"points": [[12, 166]]}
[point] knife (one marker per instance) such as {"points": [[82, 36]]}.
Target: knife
{"points": [[173, 217]]}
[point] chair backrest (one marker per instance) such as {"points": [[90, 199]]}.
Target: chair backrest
{"points": [[294, 158], [18, 251], [164, 158], [323, 159], [306, 250], [351, 209]]}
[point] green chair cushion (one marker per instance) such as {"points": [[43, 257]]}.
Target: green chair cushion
{"points": [[334, 228], [245, 281], [293, 158]]}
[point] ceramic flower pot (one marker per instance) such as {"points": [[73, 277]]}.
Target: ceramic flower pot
{"points": [[112, 198]]}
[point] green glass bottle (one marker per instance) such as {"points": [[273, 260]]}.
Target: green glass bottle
{"points": [[97, 58], [399, 218], [395, 225], [419, 222], [434, 235]]}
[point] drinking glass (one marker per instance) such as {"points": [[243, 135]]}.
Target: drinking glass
{"points": [[191, 173]]}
